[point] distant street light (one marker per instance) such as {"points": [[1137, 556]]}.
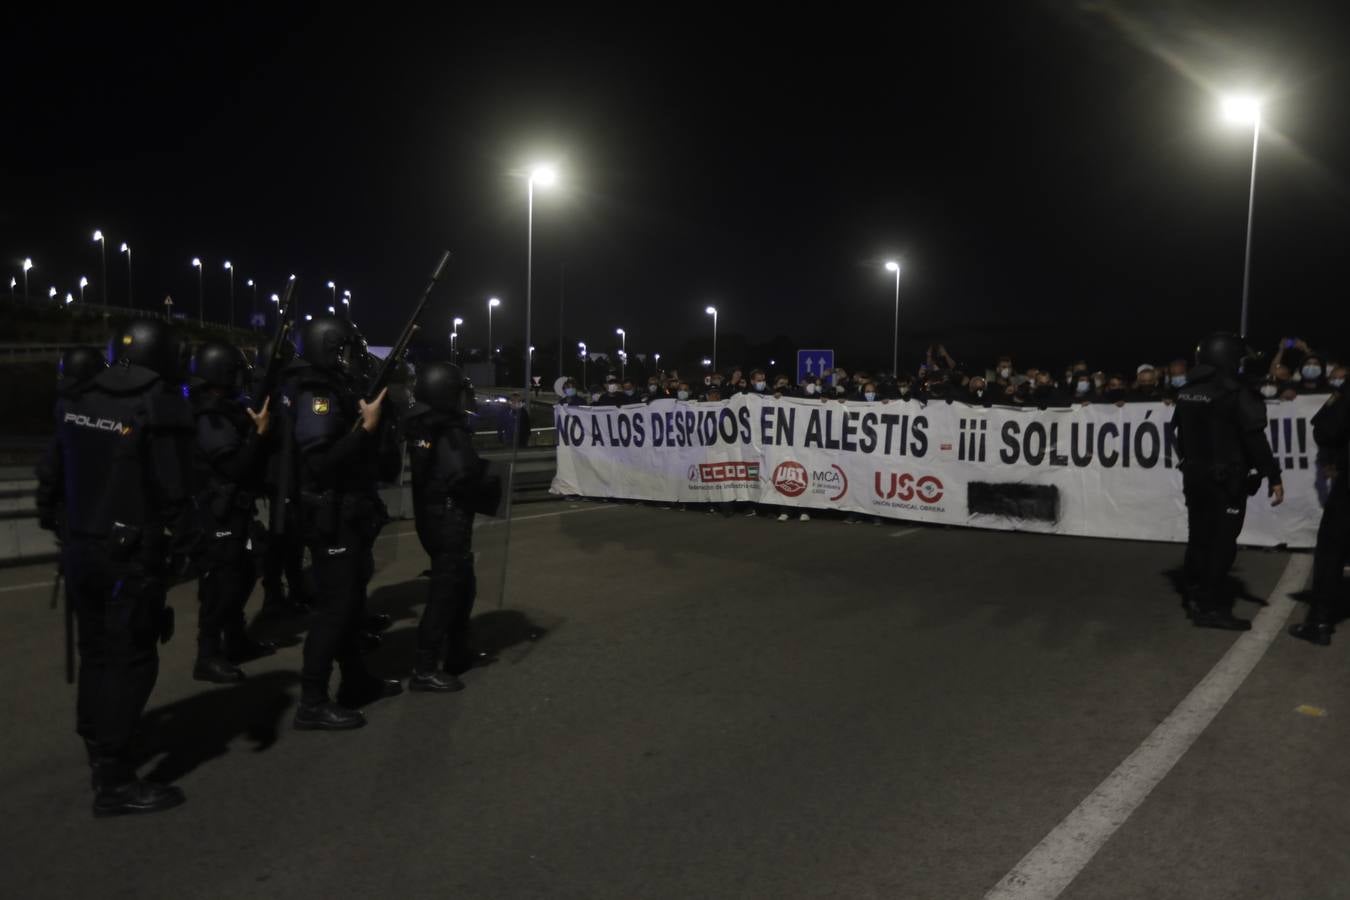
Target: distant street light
{"points": [[84, 283], [333, 287], [493, 303], [229, 267], [623, 351], [27, 264], [658, 361], [253, 287], [707, 363], [103, 261], [51, 292], [895, 346], [332, 311], [347, 304], [544, 176], [1246, 111], [201, 292], [13, 283], [69, 298], [126, 248], [712, 311], [581, 352]]}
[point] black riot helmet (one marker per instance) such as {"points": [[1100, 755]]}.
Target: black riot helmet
{"points": [[264, 355], [1224, 351], [329, 344], [221, 365], [80, 364], [149, 343], [443, 387]]}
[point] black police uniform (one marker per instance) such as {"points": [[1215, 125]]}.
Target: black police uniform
{"points": [[448, 482], [283, 552], [230, 462], [1331, 430], [338, 521], [1220, 431], [124, 448]]}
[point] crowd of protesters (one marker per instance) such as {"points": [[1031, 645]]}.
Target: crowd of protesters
{"points": [[1294, 369]]}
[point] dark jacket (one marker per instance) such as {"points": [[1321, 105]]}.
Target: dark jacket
{"points": [[1221, 431]]}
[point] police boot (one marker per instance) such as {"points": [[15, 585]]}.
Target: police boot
{"points": [[1317, 628], [358, 690], [135, 796], [216, 670], [434, 682], [326, 716], [1222, 619]]}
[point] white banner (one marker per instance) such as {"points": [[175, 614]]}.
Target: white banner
{"points": [[1098, 470]]}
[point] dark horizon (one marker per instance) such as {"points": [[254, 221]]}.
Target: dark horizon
{"points": [[1056, 182]]}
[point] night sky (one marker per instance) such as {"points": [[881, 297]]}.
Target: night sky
{"points": [[1054, 177]]}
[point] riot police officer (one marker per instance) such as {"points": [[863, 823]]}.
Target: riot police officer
{"points": [[1220, 428], [125, 448], [229, 462], [76, 368], [335, 436], [448, 482], [1331, 430], [283, 550]]}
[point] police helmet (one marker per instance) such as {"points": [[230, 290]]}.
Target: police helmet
{"points": [[150, 343], [221, 365], [1224, 351], [329, 344], [264, 356], [443, 387], [80, 364]]}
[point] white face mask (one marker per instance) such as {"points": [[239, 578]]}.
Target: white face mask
{"points": [[1083, 387], [1337, 383], [612, 388], [1312, 373], [760, 385], [683, 395], [811, 388], [594, 397], [1269, 390], [838, 388], [1005, 373], [1178, 381], [651, 388], [569, 392], [904, 390], [869, 396]]}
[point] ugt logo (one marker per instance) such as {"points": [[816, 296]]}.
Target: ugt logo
{"points": [[905, 488], [790, 479]]}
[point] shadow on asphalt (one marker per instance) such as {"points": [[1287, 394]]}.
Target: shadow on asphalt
{"points": [[200, 728]]}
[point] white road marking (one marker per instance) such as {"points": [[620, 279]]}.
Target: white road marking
{"points": [[905, 532], [1053, 863], [488, 523], [31, 584]]}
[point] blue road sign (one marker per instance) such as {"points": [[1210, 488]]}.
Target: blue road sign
{"points": [[814, 362]]}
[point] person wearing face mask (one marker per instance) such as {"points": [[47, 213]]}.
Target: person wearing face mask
{"points": [[1337, 380], [612, 396], [869, 391], [1331, 430], [595, 393], [1176, 378], [978, 392], [733, 384], [1083, 389], [1003, 374], [759, 384], [1046, 393], [655, 391], [1269, 390], [810, 388], [1314, 376], [1220, 428], [682, 391], [569, 395], [781, 387], [1113, 391], [1145, 389]]}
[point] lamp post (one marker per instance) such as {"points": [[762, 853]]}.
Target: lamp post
{"points": [[493, 303], [27, 264], [333, 287], [454, 338], [276, 301], [712, 311], [103, 261], [201, 293], [623, 351], [544, 176], [229, 267], [84, 283], [252, 286], [126, 248], [1246, 110], [581, 352], [347, 304], [893, 266]]}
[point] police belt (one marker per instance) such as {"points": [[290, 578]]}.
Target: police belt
{"points": [[222, 499]]}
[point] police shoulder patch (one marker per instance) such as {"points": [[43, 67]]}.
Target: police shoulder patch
{"points": [[320, 406]]}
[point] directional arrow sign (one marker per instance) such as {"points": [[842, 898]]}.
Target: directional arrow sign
{"points": [[813, 362]]}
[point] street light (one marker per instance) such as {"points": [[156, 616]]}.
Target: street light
{"points": [[103, 258], [229, 267], [544, 176], [201, 293], [51, 292], [276, 301], [712, 311], [13, 283], [454, 337], [895, 347], [332, 311], [347, 304], [333, 287], [253, 287], [581, 352], [493, 303], [658, 361], [623, 350], [1246, 111], [84, 283], [69, 298], [27, 264], [126, 248]]}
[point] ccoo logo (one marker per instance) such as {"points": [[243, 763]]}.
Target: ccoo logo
{"points": [[927, 489], [790, 479]]}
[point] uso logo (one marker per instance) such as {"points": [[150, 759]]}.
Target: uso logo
{"points": [[905, 488], [790, 479]]}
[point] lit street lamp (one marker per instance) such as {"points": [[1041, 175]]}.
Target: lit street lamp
{"points": [[712, 311], [229, 267], [454, 338], [84, 283], [1246, 111], [27, 264], [623, 350], [201, 292], [69, 298], [581, 352], [13, 283], [103, 259], [493, 303], [253, 287], [347, 304], [51, 292], [895, 346], [333, 287], [126, 248], [544, 176]]}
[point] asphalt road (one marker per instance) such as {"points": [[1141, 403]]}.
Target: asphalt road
{"points": [[690, 706]]}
